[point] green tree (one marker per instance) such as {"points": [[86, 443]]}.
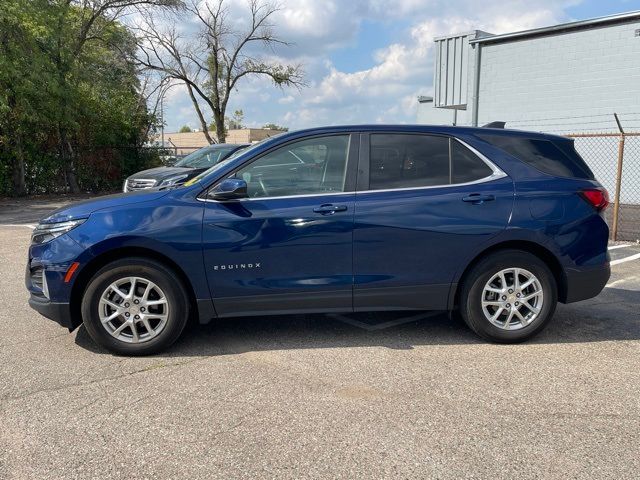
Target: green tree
{"points": [[273, 126], [185, 129], [25, 100], [235, 122], [68, 90], [74, 27]]}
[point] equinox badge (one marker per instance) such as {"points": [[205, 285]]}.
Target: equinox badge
{"points": [[236, 266]]}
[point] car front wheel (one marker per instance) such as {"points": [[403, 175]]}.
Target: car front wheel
{"points": [[135, 306], [508, 297]]}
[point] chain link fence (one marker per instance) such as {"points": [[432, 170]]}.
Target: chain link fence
{"points": [[614, 159]]}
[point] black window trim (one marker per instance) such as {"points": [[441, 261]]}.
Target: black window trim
{"points": [[363, 183], [350, 178]]}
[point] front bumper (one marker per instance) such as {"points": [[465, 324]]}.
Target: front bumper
{"points": [[58, 312], [586, 283], [50, 295]]}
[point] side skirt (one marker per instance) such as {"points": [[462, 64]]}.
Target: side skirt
{"points": [[285, 303], [413, 297]]}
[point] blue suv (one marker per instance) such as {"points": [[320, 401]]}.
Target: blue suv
{"points": [[497, 224]]}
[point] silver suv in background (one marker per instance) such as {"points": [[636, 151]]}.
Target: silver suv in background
{"points": [[184, 170]]}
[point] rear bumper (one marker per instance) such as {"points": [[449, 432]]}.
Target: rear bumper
{"points": [[58, 312], [586, 283]]}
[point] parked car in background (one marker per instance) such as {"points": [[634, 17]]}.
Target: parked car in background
{"points": [[497, 224], [184, 168]]}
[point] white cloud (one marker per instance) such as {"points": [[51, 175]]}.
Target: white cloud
{"points": [[387, 90], [286, 100]]}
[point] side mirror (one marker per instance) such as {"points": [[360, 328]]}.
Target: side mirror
{"points": [[229, 189]]}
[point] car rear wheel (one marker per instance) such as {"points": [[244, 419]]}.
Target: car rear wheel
{"points": [[135, 306], [508, 297]]}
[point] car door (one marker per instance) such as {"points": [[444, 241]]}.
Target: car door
{"points": [[423, 203], [287, 247]]}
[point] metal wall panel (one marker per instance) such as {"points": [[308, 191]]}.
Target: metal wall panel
{"points": [[452, 71]]}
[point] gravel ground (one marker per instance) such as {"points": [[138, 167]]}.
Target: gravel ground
{"points": [[324, 397]]}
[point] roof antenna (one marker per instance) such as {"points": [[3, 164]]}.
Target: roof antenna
{"points": [[495, 125]]}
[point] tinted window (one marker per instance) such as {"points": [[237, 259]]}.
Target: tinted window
{"points": [[316, 165], [404, 161], [542, 154], [466, 166], [579, 167]]}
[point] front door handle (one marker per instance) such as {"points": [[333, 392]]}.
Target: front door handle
{"points": [[477, 198], [329, 209]]}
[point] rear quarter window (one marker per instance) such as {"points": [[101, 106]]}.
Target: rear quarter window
{"points": [[466, 166], [558, 160]]}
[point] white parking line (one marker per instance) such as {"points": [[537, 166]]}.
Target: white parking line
{"points": [[614, 247], [633, 280], [27, 225], [626, 259]]}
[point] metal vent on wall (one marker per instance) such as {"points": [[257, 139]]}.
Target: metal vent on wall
{"points": [[452, 67]]}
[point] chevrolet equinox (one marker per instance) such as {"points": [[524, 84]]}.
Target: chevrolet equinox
{"points": [[497, 224]]}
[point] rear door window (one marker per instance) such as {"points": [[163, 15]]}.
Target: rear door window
{"points": [[405, 161], [412, 160]]}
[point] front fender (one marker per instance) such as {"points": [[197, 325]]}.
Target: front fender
{"points": [[172, 231]]}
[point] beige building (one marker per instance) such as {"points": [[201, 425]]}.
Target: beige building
{"points": [[185, 143]]}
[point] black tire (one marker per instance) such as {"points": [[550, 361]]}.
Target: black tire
{"points": [[472, 293], [165, 278]]}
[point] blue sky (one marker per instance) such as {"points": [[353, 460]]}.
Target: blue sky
{"points": [[367, 60]]}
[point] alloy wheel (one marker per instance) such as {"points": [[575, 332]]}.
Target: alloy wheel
{"points": [[512, 298], [133, 309]]}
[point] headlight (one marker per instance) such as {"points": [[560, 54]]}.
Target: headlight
{"points": [[46, 232], [173, 180]]}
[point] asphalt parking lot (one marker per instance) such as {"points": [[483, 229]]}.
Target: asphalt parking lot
{"points": [[322, 397]]}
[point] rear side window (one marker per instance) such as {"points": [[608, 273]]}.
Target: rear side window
{"points": [[544, 155], [408, 161]]}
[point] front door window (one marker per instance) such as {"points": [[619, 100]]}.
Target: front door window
{"points": [[308, 167]]}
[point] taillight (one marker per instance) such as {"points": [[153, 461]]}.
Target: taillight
{"points": [[598, 198]]}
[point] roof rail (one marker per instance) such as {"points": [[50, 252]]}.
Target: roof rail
{"points": [[495, 125]]}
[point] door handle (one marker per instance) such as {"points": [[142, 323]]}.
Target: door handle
{"points": [[478, 198], [329, 209]]}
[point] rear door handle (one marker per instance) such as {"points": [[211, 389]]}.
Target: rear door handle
{"points": [[329, 209], [478, 198]]}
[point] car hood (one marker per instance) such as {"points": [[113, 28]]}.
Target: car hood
{"points": [[160, 173], [86, 207]]}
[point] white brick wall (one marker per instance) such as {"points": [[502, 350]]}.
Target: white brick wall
{"points": [[531, 83]]}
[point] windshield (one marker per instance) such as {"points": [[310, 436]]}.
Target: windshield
{"points": [[204, 158], [224, 162], [215, 168]]}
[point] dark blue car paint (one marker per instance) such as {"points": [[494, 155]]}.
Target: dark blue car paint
{"points": [[386, 250]]}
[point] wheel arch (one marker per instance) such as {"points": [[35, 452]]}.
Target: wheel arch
{"points": [[99, 261], [533, 248]]}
